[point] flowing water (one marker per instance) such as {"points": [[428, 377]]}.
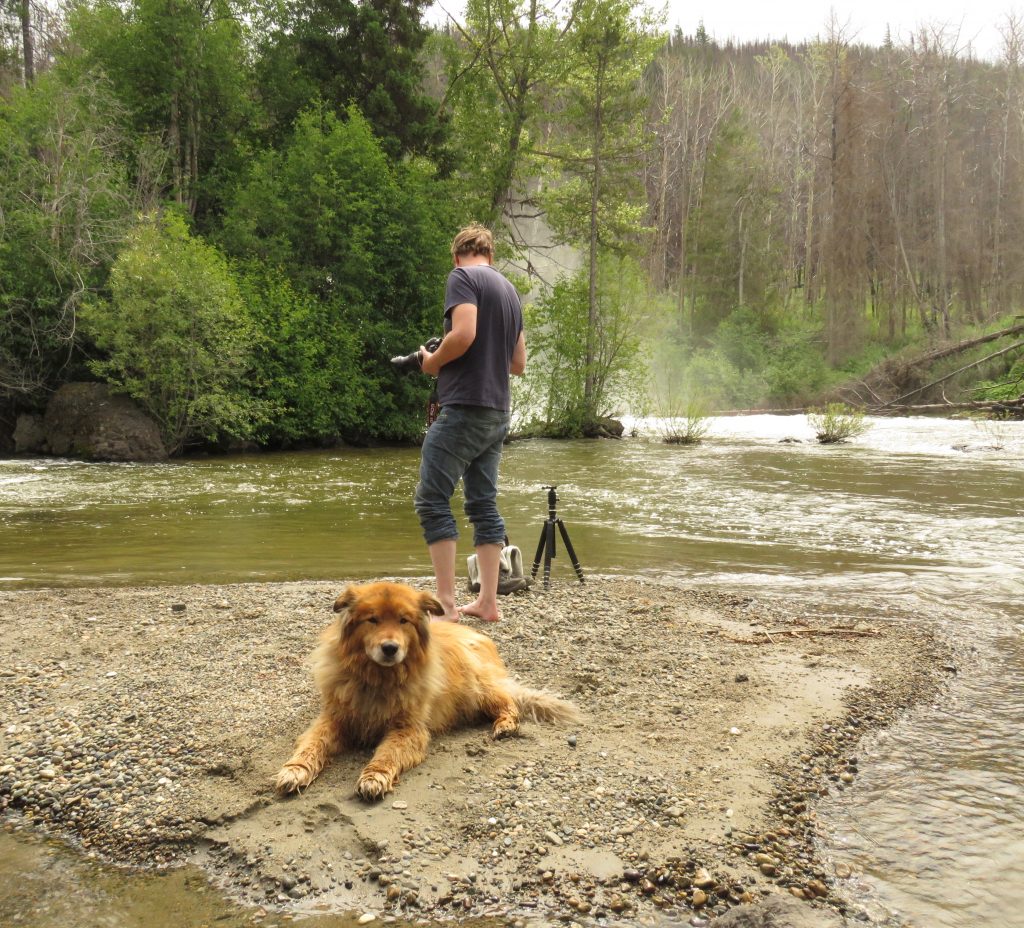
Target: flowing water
{"points": [[916, 521]]}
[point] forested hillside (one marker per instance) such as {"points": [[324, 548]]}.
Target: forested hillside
{"points": [[236, 213]]}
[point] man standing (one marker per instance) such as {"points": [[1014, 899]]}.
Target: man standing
{"points": [[483, 344]]}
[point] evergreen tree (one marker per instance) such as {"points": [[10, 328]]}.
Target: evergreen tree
{"points": [[362, 52]]}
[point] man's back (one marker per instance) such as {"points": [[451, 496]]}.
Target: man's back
{"points": [[480, 376]]}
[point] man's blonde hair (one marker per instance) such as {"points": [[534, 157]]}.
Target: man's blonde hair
{"points": [[473, 240]]}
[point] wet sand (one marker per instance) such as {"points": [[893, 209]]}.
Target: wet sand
{"points": [[146, 725]]}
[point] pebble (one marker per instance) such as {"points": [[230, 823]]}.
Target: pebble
{"points": [[366, 918], [399, 804]]}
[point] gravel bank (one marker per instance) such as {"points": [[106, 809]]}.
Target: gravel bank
{"points": [[147, 724]]}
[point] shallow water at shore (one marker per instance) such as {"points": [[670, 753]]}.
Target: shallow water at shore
{"points": [[45, 885], [919, 520]]}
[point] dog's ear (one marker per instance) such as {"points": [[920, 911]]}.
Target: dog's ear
{"points": [[430, 604], [343, 603], [347, 597]]}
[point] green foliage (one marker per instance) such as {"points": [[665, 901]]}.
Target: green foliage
{"points": [[305, 362], [65, 206], [734, 251], [176, 336], [684, 425], [344, 53], [1006, 389], [558, 324], [837, 423], [367, 239], [181, 71]]}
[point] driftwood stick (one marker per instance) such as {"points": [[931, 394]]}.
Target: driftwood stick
{"points": [[840, 631]]}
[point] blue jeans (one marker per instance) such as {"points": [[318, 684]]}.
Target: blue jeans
{"points": [[463, 443]]}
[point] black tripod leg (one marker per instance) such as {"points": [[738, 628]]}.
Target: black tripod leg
{"points": [[568, 547], [540, 549], [549, 551]]}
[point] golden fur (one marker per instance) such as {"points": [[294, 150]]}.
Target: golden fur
{"points": [[390, 678]]}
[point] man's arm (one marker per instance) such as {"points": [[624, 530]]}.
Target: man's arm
{"points": [[518, 363], [456, 343]]}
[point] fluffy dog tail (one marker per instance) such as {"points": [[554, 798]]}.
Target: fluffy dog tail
{"points": [[541, 706]]}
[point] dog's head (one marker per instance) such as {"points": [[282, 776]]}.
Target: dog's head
{"points": [[387, 621]]}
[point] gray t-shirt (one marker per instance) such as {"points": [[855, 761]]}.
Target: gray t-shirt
{"points": [[480, 376]]}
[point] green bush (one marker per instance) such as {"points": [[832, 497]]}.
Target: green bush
{"points": [[557, 330], [175, 336], [837, 423], [368, 242], [685, 426]]}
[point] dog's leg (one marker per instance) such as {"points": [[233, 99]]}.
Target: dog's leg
{"points": [[500, 705], [312, 751], [401, 749]]}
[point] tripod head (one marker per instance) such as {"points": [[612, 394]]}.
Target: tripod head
{"points": [[552, 498]]}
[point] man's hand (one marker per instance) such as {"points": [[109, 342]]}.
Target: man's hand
{"points": [[428, 364]]}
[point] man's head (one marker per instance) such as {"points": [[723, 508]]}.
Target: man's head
{"points": [[474, 241]]}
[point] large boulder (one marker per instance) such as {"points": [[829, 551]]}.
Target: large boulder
{"points": [[87, 420], [29, 434]]}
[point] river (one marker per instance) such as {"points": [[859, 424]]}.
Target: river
{"points": [[918, 520]]}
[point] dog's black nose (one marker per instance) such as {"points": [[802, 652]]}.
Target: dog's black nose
{"points": [[389, 649]]}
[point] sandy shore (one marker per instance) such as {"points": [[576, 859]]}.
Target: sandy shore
{"points": [[147, 724]]}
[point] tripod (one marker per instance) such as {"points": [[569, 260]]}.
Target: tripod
{"points": [[546, 545]]}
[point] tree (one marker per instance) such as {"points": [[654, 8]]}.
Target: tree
{"points": [[361, 52], [180, 69], [175, 335], [555, 392], [67, 204], [505, 61], [366, 238], [594, 199]]}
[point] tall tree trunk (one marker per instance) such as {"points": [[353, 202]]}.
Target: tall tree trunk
{"points": [[27, 42], [595, 193]]}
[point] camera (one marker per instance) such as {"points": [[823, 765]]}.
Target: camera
{"points": [[411, 362]]}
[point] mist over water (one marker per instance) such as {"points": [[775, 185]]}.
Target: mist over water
{"points": [[917, 521]]}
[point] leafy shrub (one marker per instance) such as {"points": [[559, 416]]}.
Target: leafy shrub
{"points": [[837, 423], [366, 239], [175, 335], [558, 325], [689, 427]]}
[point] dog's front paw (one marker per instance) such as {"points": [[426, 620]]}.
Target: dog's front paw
{"points": [[373, 785], [503, 728], [291, 779]]}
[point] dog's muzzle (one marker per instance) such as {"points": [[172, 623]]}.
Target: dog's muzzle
{"points": [[388, 653]]}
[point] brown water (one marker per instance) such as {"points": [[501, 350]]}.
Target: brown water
{"points": [[918, 521]]}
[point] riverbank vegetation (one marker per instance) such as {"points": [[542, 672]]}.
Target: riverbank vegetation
{"points": [[236, 214]]}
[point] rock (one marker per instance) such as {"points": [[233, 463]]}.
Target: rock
{"points": [[366, 918], [29, 434], [87, 420], [776, 912], [702, 879], [604, 427], [699, 898]]}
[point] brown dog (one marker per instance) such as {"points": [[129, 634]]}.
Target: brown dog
{"points": [[390, 678]]}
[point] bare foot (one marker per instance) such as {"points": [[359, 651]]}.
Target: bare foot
{"points": [[485, 612]]}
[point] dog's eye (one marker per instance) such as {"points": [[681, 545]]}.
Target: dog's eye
{"points": [[373, 620], [403, 621]]}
